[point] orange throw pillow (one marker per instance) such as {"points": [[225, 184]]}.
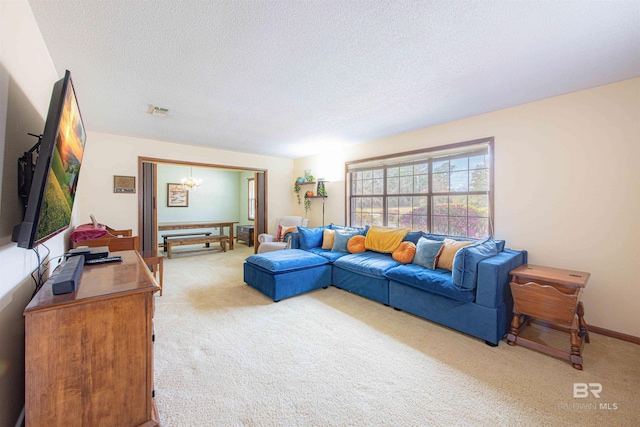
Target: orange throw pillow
{"points": [[355, 245], [404, 253]]}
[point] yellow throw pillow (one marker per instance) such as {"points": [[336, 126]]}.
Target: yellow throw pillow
{"points": [[355, 245], [448, 252], [327, 238], [404, 253], [384, 239]]}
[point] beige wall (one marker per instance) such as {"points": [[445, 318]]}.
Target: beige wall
{"points": [[108, 155], [567, 183]]}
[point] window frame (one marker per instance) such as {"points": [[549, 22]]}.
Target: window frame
{"points": [[428, 156], [251, 199]]}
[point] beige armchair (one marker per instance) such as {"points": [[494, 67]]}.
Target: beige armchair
{"points": [[268, 242]]}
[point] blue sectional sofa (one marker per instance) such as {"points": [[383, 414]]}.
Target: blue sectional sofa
{"points": [[480, 304]]}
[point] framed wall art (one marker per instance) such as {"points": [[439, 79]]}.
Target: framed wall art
{"points": [[177, 196], [124, 184]]}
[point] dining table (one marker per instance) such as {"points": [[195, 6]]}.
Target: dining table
{"points": [[192, 225]]}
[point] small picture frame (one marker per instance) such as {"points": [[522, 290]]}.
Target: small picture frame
{"points": [[124, 184], [307, 175], [177, 196]]}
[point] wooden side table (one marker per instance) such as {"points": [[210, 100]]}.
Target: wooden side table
{"points": [[154, 259], [550, 294]]}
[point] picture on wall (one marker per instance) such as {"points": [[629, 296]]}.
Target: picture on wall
{"points": [[177, 196]]}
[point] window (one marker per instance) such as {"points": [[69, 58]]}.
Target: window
{"points": [[252, 198], [444, 190]]}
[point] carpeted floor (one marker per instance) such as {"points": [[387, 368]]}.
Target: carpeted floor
{"points": [[226, 355]]}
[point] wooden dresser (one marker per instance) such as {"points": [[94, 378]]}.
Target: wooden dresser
{"points": [[89, 354]]}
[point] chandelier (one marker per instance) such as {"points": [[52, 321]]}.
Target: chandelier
{"points": [[190, 183]]}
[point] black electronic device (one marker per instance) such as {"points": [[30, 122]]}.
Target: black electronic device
{"points": [[26, 168], [81, 250], [66, 281], [51, 184], [106, 260], [89, 253], [97, 253]]}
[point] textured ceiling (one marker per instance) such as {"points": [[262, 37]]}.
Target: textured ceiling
{"points": [[290, 78]]}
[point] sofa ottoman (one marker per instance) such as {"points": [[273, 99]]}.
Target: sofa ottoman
{"points": [[283, 274]]}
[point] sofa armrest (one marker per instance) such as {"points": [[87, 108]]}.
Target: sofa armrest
{"points": [[264, 238], [493, 277]]}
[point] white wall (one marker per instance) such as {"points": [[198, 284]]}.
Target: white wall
{"points": [[27, 76], [218, 199], [108, 155], [567, 183]]}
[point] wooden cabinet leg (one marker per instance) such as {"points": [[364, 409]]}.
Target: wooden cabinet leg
{"points": [[576, 358], [512, 337], [584, 331]]}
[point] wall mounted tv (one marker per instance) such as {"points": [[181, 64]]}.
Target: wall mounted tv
{"points": [[55, 176]]}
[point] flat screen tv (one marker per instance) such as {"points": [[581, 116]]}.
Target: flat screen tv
{"points": [[55, 177]]}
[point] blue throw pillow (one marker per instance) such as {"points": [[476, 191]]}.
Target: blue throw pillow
{"points": [[413, 237], [336, 226], [426, 253], [465, 263], [341, 239], [310, 238], [443, 236], [361, 230]]}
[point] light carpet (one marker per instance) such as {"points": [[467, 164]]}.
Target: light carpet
{"points": [[226, 355]]}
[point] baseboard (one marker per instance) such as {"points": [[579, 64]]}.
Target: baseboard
{"points": [[614, 334], [594, 329]]}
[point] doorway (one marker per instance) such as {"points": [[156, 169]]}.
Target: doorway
{"points": [[148, 196]]}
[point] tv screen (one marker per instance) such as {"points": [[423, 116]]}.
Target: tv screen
{"points": [[55, 178]]}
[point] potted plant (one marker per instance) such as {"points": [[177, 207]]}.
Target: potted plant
{"points": [[307, 201], [296, 187]]}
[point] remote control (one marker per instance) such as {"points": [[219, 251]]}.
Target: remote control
{"points": [[103, 260]]}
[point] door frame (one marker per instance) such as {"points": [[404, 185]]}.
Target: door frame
{"points": [[261, 218]]}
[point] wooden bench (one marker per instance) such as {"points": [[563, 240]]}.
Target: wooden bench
{"points": [[166, 236], [196, 240]]}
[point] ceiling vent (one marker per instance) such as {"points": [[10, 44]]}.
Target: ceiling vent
{"points": [[158, 111]]}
